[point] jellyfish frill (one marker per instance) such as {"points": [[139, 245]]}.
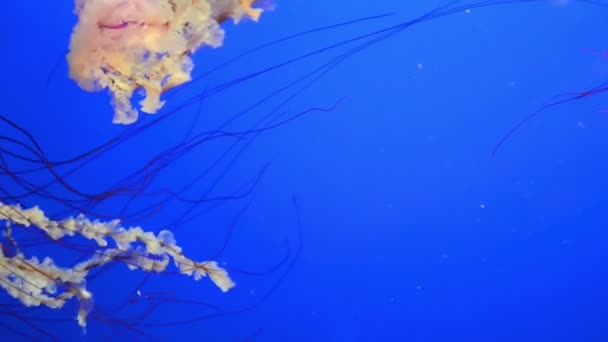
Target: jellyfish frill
{"points": [[125, 45], [36, 283]]}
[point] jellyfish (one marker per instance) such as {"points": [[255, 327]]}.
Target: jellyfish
{"points": [[135, 218], [35, 282], [124, 45], [119, 46]]}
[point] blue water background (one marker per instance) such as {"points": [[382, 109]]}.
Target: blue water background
{"points": [[411, 229]]}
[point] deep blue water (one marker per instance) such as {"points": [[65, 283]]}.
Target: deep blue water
{"points": [[384, 219]]}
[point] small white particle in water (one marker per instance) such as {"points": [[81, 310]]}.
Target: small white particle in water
{"points": [[580, 124], [468, 11], [482, 206], [419, 287], [420, 66]]}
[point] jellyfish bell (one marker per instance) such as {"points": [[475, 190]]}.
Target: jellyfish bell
{"points": [[122, 45]]}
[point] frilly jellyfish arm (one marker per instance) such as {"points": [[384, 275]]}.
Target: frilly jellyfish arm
{"points": [[124, 45], [35, 283]]}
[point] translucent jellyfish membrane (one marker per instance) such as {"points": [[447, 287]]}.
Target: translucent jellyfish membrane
{"points": [[125, 45]]}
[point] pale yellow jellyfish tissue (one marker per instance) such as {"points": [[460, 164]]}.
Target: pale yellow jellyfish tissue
{"points": [[125, 45], [43, 283]]}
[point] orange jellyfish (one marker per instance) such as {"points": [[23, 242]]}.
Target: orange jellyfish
{"points": [[123, 46]]}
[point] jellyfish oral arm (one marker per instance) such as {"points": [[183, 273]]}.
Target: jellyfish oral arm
{"points": [[42, 283]]}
